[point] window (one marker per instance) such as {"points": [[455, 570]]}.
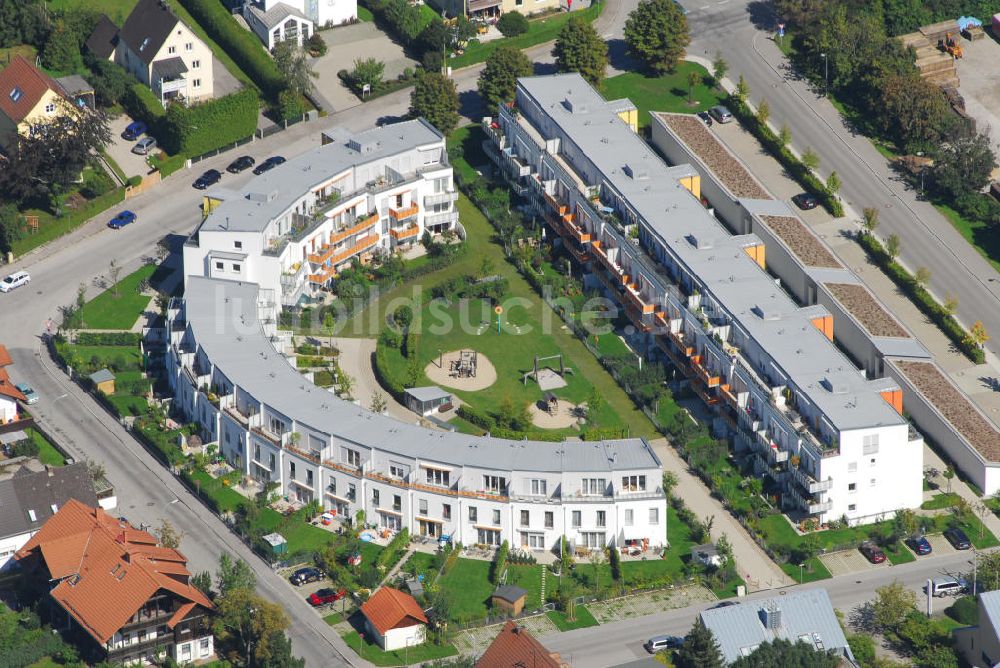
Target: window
{"points": [[195, 64], [271, 461], [399, 200], [236, 267], [654, 515], [549, 519], [291, 470], [533, 541], [50, 108], [332, 486], [536, 487], [852, 507], [397, 471], [872, 462], [852, 487], [473, 514], [576, 519], [496, 518], [870, 444], [309, 478], [634, 483], [594, 486], [220, 266], [422, 507], [494, 484], [852, 467], [238, 245], [196, 83], [602, 518], [16, 93], [446, 511], [438, 477], [189, 47], [376, 497], [629, 517], [171, 49], [397, 502], [592, 539], [352, 457], [525, 518], [352, 491], [256, 452], [489, 537]]}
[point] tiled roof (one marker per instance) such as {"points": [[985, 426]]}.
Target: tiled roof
{"points": [[28, 497], [22, 85], [5, 358], [103, 39], [107, 569], [390, 608], [514, 647], [7, 387], [147, 28]]}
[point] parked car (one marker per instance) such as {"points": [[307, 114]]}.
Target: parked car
{"points": [[134, 130], [326, 596], [304, 575], [920, 545], [268, 164], [31, 397], [15, 280], [122, 219], [958, 539], [721, 114], [947, 587], [724, 604], [209, 178], [240, 163], [659, 643], [805, 201], [872, 552], [144, 146], [704, 115]]}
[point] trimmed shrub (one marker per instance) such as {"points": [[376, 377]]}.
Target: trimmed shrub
{"points": [[615, 561], [499, 562], [141, 104], [512, 24], [481, 420], [205, 127], [108, 339], [394, 550], [384, 375], [134, 181]]}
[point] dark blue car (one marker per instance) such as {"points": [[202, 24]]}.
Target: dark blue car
{"points": [[122, 219], [920, 545], [268, 164], [134, 130]]}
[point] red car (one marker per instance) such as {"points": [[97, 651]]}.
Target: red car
{"points": [[325, 596], [872, 552]]}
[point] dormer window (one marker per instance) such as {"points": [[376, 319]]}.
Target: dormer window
{"points": [[145, 42], [16, 94]]}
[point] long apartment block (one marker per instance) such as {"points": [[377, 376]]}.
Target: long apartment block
{"points": [[292, 229], [273, 424], [833, 438]]}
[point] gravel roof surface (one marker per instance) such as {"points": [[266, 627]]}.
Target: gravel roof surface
{"points": [[801, 240], [862, 305]]}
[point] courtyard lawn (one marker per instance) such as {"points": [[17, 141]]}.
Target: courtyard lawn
{"points": [[664, 93], [898, 554], [127, 404], [369, 651], [97, 357], [940, 501], [224, 498], [470, 138], [47, 453], [469, 583], [336, 617], [582, 621], [110, 311]]}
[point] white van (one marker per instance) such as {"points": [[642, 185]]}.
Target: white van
{"points": [[15, 280], [947, 587]]}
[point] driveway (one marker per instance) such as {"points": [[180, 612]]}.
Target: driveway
{"points": [[845, 562], [120, 149], [224, 82], [346, 44]]}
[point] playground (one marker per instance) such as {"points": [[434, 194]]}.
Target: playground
{"points": [[462, 370]]}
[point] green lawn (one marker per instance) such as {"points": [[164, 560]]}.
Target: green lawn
{"points": [[50, 227], [663, 93], [983, 237], [97, 357], [470, 138], [539, 31], [939, 501], [117, 10], [226, 499], [898, 553], [110, 311], [469, 582], [336, 617], [365, 15], [127, 404], [583, 619], [373, 653], [47, 453]]}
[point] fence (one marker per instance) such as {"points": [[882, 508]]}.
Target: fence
{"points": [[148, 181], [222, 149]]}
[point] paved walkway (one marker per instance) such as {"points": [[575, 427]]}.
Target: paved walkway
{"points": [[755, 567], [356, 361]]}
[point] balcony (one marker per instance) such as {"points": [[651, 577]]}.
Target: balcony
{"points": [[635, 298], [268, 434], [558, 205], [809, 483], [331, 270], [404, 233], [809, 505], [404, 213], [440, 198], [346, 468], [313, 457], [444, 218]]}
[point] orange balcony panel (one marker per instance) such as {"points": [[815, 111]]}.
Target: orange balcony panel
{"points": [[401, 214], [359, 226], [330, 271], [825, 325], [556, 204], [894, 398], [404, 233]]}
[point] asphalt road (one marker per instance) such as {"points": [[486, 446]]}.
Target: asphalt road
{"points": [[741, 31]]}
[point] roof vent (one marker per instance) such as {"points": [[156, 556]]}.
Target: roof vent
{"points": [[766, 313], [574, 107], [363, 146], [834, 386], [771, 617], [700, 242], [637, 173], [262, 197]]}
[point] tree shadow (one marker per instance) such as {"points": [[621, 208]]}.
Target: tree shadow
{"points": [[618, 56], [762, 15], [470, 104], [541, 69]]}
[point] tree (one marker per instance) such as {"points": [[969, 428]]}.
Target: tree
{"points": [[110, 81], [434, 37], [781, 652], [345, 384], [700, 649], [742, 89], [891, 605], [950, 304], [979, 336], [580, 49], [763, 113], [693, 80], [869, 219], [248, 623], [280, 653], [203, 582], [379, 402], [656, 33], [512, 24], [963, 165], [988, 571], [719, 68], [293, 64], [833, 183], [114, 271], [81, 300], [912, 109], [234, 575], [168, 535], [498, 80], [10, 226], [784, 135], [316, 45], [810, 159], [725, 548], [434, 97], [669, 482], [904, 523], [62, 51], [922, 276], [892, 246], [367, 71]]}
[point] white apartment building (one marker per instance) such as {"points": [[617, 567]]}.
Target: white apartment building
{"points": [[834, 441], [278, 20], [274, 425], [291, 229]]}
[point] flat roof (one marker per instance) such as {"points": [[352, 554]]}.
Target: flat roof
{"points": [[267, 196], [223, 316], [756, 303], [862, 304], [429, 393]]}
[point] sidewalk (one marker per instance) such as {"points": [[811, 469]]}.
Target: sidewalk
{"points": [[755, 567]]}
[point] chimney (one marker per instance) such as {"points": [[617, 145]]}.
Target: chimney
{"points": [[771, 617]]}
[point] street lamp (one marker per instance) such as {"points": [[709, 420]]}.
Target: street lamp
{"points": [[800, 572], [923, 168], [826, 73]]}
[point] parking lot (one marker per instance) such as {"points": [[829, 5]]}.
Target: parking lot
{"points": [[120, 149], [980, 84], [849, 561]]}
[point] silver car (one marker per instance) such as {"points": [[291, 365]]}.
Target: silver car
{"points": [[721, 114], [144, 146]]}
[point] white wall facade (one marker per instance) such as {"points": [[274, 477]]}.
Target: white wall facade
{"points": [[8, 409], [10, 545], [407, 636], [184, 44]]}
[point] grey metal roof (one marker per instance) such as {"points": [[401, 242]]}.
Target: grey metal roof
{"points": [[509, 593], [74, 85], [269, 195], [102, 376], [806, 616], [103, 39], [725, 271], [277, 14], [38, 492], [169, 68], [13, 437], [147, 28], [429, 393], [990, 603], [224, 318]]}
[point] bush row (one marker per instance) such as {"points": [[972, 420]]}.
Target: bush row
{"points": [[384, 375], [108, 339], [499, 562], [488, 423], [412, 345], [394, 550], [925, 302], [805, 176], [468, 287], [242, 46]]}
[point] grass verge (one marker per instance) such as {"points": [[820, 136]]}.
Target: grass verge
{"points": [[583, 619]]}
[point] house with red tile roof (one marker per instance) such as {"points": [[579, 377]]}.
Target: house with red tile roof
{"points": [[514, 647], [9, 394], [117, 587], [28, 96], [394, 619]]}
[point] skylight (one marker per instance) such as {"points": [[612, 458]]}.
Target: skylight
{"points": [[16, 94]]}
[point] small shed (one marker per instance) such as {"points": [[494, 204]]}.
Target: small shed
{"points": [[707, 555], [277, 543], [509, 599], [12, 438], [427, 400], [104, 381]]}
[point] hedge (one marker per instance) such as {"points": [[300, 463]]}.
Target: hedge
{"points": [[108, 339], [615, 561], [499, 562], [487, 423], [805, 176], [385, 377], [394, 550], [924, 301], [241, 45], [207, 126]]}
